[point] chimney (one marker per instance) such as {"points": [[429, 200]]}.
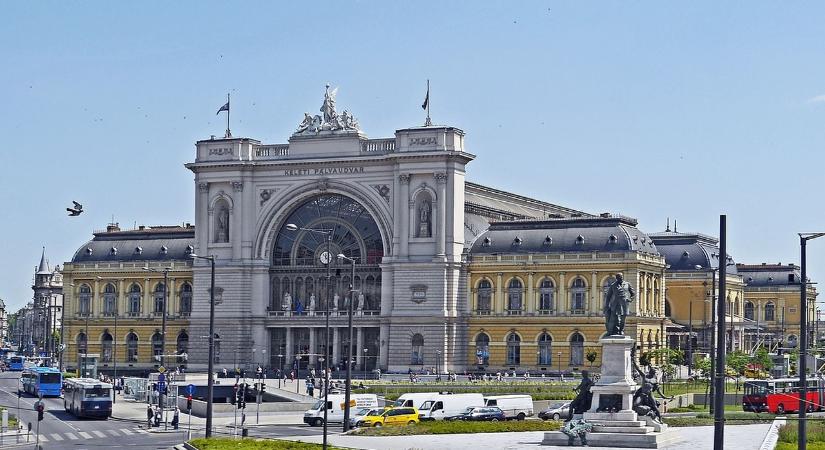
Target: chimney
{"points": [[112, 227]]}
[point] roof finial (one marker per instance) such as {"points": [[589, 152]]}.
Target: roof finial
{"points": [[674, 225], [668, 225]]}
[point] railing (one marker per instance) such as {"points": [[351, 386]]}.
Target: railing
{"points": [[577, 311], [322, 313], [514, 312], [133, 314], [545, 312], [271, 151], [378, 145], [482, 312]]}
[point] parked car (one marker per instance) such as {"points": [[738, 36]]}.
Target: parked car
{"points": [[446, 405], [516, 407], [359, 416], [556, 411], [481, 413], [394, 416], [335, 408]]}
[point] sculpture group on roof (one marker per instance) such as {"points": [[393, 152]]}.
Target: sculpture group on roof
{"points": [[329, 120]]}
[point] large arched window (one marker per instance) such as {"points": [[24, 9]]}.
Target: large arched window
{"points": [[157, 346], [483, 349], [85, 300], [134, 299], [513, 349], [131, 348], [160, 298], [417, 353], [545, 350], [182, 344], [109, 300], [749, 310], [485, 296], [578, 294], [770, 312], [185, 299], [106, 348], [546, 296], [82, 344], [514, 296], [576, 349]]}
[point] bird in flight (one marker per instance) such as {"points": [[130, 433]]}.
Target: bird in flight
{"points": [[78, 208]]}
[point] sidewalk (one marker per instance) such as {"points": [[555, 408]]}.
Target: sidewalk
{"points": [[136, 412]]}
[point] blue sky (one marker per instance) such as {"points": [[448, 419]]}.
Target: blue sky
{"points": [[648, 109]]}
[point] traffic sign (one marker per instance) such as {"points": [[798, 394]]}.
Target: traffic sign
{"points": [[161, 369], [190, 389], [161, 377], [161, 386]]}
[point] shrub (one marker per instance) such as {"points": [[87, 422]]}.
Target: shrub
{"points": [[460, 427], [252, 444]]}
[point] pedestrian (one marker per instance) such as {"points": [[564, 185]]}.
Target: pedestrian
{"points": [[150, 414], [224, 371], [176, 418]]}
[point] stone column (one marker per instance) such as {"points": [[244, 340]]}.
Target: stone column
{"points": [[405, 210], [313, 348], [360, 347], [288, 362], [561, 303], [383, 335], [531, 295], [204, 217], [236, 219], [595, 298], [120, 301], [171, 303], [96, 298], [499, 306], [147, 298], [336, 346], [441, 182]]}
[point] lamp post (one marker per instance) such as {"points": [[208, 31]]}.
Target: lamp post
{"points": [[437, 367], [803, 337], [561, 377], [281, 365], [364, 364], [165, 272], [719, 381], [326, 259], [348, 384], [211, 364]]}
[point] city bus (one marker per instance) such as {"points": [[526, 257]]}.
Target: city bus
{"points": [[87, 397], [781, 395], [42, 380], [17, 363]]}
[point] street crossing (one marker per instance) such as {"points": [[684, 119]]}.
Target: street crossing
{"points": [[76, 435]]}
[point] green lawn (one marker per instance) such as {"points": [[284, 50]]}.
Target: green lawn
{"points": [[252, 444], [788, 437], [457, 427], [731, 418]]}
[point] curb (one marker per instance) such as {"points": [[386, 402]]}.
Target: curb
{"points": [[772, 436]]}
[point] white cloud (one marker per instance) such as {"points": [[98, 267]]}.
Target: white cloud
{"points": [[817, 99]]}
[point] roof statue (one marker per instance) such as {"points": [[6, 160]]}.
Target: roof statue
{"points": [[329, 120]]}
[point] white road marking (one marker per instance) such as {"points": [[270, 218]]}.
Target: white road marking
{"points": [[44, 439], [99, 433], [57, 437], [113, 433], [86, 435], [126, 431], [71, 437]]}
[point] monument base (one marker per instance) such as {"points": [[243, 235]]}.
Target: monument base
{"points": [[621, 440]]}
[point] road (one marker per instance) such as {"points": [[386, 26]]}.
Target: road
{"points": [[61, 430]]}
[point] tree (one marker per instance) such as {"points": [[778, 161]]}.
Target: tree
{"points": [[738, 361], [669, 358], [591, 356], [703, 367]]}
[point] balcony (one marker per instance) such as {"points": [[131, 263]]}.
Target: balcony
{"points": [[545, 312], [514, 312], [482, 312], [133, 314], [322, 313]]}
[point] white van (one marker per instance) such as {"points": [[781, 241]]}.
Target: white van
{"points": [[335, 408], [514, 406], [442, 406], [414, 400]]}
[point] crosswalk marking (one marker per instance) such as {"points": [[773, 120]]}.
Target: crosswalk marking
{"points": [[84, 435], [43, 438], [57, 437], [99, 433], [71, 437], [126, 431], [113, 433]]}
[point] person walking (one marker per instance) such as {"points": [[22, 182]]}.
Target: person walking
{"points": [[150, 414]]}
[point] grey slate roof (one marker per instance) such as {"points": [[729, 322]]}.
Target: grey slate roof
{"points": [[147, 244], [765, 275], [43, 267], [685, 251], [577, 234]]}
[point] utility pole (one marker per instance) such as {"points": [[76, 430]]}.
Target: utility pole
{"points": [[719, 381]]}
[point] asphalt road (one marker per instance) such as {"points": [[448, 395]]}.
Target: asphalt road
{"points": [[61, 430]]}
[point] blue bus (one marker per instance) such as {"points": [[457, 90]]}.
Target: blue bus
{"points": [[42, 380], [17, 363]]}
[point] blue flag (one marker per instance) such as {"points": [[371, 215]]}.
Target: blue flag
{"points": [[223, 108]]}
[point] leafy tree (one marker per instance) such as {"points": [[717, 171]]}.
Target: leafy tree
{"points": [[763, 359], [669, 358], [591, 356], [738, 361], [703, 367]]}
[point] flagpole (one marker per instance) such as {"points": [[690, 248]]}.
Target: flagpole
{"points": [[228, 108], [428, 122]]}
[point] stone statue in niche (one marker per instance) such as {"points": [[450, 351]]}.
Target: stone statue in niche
{"points": [[335, 301], [311, 302], [359, 306], [222, 224], [425, 219], [286, 305]]}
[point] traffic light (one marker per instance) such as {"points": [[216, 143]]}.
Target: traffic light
{"points": [[263, 387], [40, 409], [189, 403], [242, 396], [234, 397]]}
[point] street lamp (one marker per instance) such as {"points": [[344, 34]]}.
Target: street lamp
{"points": [[211, 365], [364, 364], [281, 364], [437, 368], [803, 337], [348, 384], [326, 258], [561, 377], [165, 272]]}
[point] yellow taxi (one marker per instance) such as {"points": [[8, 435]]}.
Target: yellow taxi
{"points": [[390, 417]]}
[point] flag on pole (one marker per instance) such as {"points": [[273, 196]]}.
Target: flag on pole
{"points": [[223, 108], [427, 98]]}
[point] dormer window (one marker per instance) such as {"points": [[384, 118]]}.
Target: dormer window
{"points": [[685, 254], [486, 242], [770, 279], [88, 251], [548, 241], [750, 279], [113, 251], [164, 250], [138, 250], [190, 249], [517, 241], [612, 239], [579, 240]]}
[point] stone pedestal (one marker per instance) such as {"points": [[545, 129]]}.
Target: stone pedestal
{"points": [[615, 424]]}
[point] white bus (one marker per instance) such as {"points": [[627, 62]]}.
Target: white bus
{"points": [[87, 397]]}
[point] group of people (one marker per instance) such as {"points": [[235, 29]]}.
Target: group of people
{"points": [[154, 416]]}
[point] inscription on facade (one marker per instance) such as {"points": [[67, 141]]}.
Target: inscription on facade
{"points": [[337, 170], [219, 151], [423, 141]]}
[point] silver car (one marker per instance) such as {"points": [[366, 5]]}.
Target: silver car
{"points": [[556, 411]]}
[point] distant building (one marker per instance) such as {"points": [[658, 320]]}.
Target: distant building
{"points": [[47, 309], [4, 324], [115, 308]]}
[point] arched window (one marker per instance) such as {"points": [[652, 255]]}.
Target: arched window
{"points": [[514, 303], [160, 298], [749, 310], [109, 300], [85, 300], [132, 348], [134, 300], [770, 310], [221, 226], [513, 349], [106, 348], [546, 296], [82, 344], [577, 295], [417, 354], [183, 344], [157, 346], [485, 297], [576, 349], [185, 299], [545, 350], [482, 349]]}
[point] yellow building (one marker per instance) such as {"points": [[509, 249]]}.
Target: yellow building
{"points": [[114, 306], [772, 304], [536, 292], [692, 282]]}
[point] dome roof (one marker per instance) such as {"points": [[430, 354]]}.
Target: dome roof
{"points": [[578, 234], [690, 251], [143, 244]]}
